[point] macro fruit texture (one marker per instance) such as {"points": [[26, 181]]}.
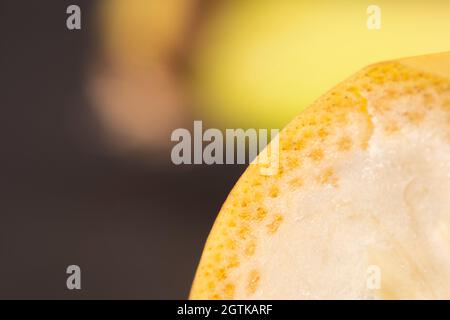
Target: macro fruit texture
{"points": [[363, 182]]}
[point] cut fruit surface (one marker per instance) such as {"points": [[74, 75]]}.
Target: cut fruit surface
{"points": [[360, 205]]}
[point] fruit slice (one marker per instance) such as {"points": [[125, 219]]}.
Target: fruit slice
{"points": [[360, 205]]}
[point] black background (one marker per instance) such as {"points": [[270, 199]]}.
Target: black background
{"points": [[135, 229]]}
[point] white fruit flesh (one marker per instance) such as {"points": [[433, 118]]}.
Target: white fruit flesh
{"points": [[391, 210], [360, 207]]}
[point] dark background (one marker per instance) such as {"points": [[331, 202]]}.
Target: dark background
{"points": [[136, 228]]}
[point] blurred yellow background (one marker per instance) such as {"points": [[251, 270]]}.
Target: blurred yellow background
{"points": [[257, 63]]}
